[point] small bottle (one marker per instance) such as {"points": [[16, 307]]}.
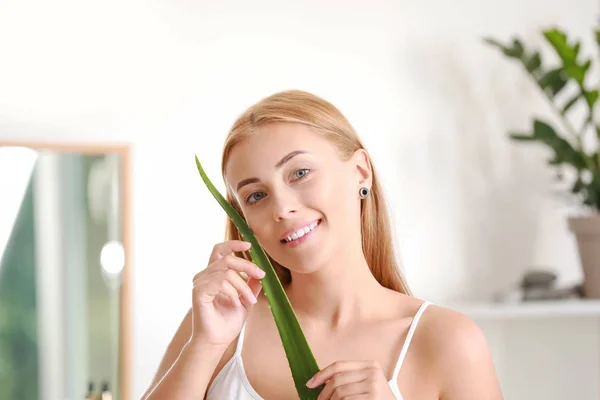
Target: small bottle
{"points": [[105, 395], [90, 393]]}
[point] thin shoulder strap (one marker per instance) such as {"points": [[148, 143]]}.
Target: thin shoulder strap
{"points": [[409, 336], [240, 342]]}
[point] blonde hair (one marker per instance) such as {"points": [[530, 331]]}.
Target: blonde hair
{"points": [[300, 107]]}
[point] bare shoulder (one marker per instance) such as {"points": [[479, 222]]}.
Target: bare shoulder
{"points": [[458, 353]]}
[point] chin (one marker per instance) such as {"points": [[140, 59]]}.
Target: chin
{"points": [[302, 265], [303, 269]]}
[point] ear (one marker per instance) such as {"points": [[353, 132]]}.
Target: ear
{"points": [[362, 163]]}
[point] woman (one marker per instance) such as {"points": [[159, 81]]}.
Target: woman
{"points": [[297, 172]]}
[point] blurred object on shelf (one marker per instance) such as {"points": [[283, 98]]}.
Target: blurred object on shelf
{"points": [[540, 284]]}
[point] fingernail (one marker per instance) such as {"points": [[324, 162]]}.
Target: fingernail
{"points": [[261, 273], [310, 382]]}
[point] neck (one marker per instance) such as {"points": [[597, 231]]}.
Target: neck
{"points": [[333, 296]]}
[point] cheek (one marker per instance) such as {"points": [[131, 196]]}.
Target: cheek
{"points": [[261, 224], [257, 224], [332, 195]]}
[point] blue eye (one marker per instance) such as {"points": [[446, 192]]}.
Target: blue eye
{"points": [[301, 173], [254, 197]]}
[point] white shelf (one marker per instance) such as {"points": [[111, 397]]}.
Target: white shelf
{"points": [[538, 309]]}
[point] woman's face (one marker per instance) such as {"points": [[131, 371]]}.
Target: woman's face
{"points": [[299, 198]]}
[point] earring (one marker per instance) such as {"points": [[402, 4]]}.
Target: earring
{"points": [[364, 192]]}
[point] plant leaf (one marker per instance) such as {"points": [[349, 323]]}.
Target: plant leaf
{"points": [[300, 358], [568, 54], [553, 81], [558, 40], [590, 97], [564, 153], [534, 62], [592, 193], [517, 48], [523, 137], [515, 51]]}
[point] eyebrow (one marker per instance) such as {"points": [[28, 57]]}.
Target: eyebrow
{"points": [[279, 164]]}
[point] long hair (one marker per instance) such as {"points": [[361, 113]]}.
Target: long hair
{"points": [[320, 116]]}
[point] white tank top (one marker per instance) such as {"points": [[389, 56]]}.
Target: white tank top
{"points": [[231, 383]]}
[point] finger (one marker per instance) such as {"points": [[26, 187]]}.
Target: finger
{"points": [[240, 265], [362, 396], [344, 384], [241, 286], [230, 261], [222, 249], [339, 366], [256, 287], [206, 292], [229, 291]]}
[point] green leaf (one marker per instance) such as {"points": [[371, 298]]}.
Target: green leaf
{"points": [[592, 193], [591, 97], [577, 72], [568, 54], [553, 81], [514, 51], [543, 131], [300, 358], [564, 153], [517, 49], [570, 103], [558, 40], [534, 62], [495, 43], [523, 137]]}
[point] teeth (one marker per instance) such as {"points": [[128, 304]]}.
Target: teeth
{"points": [[301, 232]]}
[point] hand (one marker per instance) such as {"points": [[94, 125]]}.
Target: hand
{"points": [[352, 380], [221, 298]]}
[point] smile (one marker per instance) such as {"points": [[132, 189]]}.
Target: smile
{"points": [[301, 233]]}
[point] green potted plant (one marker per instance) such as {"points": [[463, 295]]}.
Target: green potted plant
{"points": [[574, 145]]}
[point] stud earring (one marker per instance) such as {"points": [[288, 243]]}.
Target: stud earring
{"points": [[364, 192]]}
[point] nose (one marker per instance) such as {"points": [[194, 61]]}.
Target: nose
{"points": [[285, 204]]}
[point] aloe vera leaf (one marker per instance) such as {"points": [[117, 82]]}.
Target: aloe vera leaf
{"points": [[300, 358]]}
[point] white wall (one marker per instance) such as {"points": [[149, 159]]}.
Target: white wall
{"points": [[432, 103]]}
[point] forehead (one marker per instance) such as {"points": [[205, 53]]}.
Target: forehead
{"points": [[262, 150]]}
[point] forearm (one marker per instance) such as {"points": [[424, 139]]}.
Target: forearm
{"points": [[189, 376]]}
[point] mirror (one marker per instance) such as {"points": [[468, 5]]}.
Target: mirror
{"points": [[64, 271]]}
